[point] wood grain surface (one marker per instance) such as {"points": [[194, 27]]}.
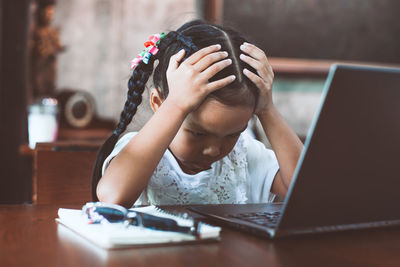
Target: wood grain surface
{"points": [[29, 236]]}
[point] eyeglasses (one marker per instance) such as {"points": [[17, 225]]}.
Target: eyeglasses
{"points": [[99, 212]]}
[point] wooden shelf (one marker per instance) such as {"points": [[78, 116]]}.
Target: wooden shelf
{"points": [[74, 139], [83, 134], [312, 67]]}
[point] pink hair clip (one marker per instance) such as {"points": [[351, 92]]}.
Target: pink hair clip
{"points": [[151, 49]]}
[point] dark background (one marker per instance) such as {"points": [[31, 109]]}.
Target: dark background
{"points": [[359, 30], [14, 169]]}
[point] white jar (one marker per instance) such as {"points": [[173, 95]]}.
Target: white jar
{"points": [[43, 121]]}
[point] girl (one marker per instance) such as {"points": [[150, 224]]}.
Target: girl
{"points": [[207, 85]]}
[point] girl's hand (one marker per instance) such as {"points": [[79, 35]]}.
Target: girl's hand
{"points": [[263, 79], [188, 81]]}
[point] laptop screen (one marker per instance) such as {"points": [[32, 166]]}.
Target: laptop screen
{"points": [[349, 171]]}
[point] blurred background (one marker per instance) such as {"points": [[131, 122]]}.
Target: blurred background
{"points": [[69, 61]]}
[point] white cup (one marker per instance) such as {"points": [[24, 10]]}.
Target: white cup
{"points": [[43, 121]]}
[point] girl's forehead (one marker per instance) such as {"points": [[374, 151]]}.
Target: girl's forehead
{"points": [[215, 117]]}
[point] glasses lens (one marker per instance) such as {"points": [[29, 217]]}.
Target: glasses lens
{"points": [[111, 214], [99, 211]]}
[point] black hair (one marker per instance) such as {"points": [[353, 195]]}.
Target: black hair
{"points": [[191, 37]]}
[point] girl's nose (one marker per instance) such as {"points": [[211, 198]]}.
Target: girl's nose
{"points": [[212, 151]]}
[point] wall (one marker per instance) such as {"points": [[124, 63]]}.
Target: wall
{"points": [[360, 30], [101, 38]]}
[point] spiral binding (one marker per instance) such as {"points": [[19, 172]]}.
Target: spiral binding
{"points": [[196, 224], [184, 215]]}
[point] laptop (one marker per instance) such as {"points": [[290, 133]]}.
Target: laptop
{"points": [[348, 175]]}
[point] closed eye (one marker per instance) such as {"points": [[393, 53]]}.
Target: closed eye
{"points": [[196, 134]]}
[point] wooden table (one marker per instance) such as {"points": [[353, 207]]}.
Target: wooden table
{"points": [[31, 237]]}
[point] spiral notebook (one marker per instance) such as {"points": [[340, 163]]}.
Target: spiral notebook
{"points": [[119, 235]]}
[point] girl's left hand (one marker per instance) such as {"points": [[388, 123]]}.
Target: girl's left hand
{"points": [[263, 79]]}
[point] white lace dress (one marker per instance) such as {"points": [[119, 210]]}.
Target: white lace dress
{"points": [[245, 175]]}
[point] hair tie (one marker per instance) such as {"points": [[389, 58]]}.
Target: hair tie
{"points": [[151, 49]]}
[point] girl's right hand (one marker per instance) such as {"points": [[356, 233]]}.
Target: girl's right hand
{"points": [[188, 82]]}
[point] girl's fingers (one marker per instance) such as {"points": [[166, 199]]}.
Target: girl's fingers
{"points": [[175, 59], [257, 80], [253, 50], [215, 68], [257, 65], [255, 53], [212, 86], [201, 53], [209, 59]]}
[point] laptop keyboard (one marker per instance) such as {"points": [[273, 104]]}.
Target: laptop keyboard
{"points": [[269, 219]]}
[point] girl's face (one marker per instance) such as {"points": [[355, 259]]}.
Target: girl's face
{"points": [[208, 134]]}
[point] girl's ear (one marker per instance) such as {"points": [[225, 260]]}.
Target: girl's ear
{"points": [[156, 99]]}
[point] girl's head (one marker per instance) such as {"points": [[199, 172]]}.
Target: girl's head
{"points": [[208, 134], [212, 129], [195, 35]]}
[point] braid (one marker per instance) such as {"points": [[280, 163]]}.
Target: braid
{"points": [[140, 76], [188, 43], [178, 38], [136, 87]]}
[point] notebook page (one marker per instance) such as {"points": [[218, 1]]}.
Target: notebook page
{"points": [[114, 235]]}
